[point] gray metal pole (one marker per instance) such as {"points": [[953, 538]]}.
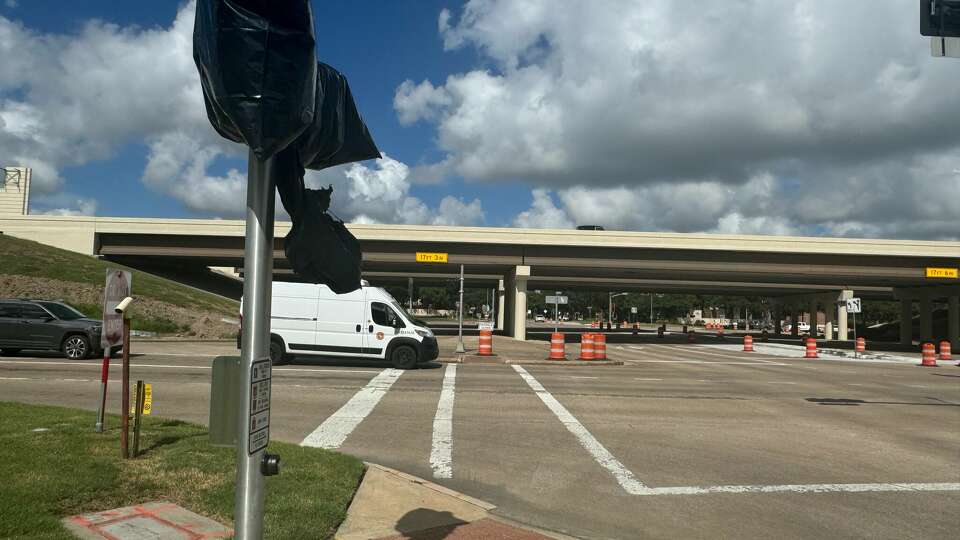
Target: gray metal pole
{"points": [[255, 341], [460, 348]]}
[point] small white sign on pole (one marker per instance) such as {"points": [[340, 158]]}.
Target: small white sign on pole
{"points": [[853, 305], [556, 299], [485, 325], [117, 288]]}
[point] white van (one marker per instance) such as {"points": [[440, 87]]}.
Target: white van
{"points": [[309, 319]]}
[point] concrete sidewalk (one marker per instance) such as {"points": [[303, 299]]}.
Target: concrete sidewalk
{"points": [[395, 505]]}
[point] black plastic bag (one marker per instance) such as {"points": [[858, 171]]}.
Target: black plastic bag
{"points": [[319, 247], [257, 63], [338, 134]]}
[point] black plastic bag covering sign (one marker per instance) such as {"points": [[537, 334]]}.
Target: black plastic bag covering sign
{"points": [[257, 64], [319, 248], [263, 87], [339, 134]]}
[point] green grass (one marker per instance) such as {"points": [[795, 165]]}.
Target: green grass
{"points": [[27, 258], [70, 470]]}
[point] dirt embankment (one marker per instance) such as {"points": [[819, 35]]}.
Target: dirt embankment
{"points": [[168, 318]]}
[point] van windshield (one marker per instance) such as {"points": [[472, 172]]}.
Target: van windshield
{"points": [[396, 305]]}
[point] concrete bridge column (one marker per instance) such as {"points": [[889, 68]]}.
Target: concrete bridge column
{"points": [[516, 326], [926, 318], [906, 321], [794, 321], [840, 309], [953, 321], [830, 314], [777, 316], [501, 296], [813, 316]]}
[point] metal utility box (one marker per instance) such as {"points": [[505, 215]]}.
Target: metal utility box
{"points": [[224, 400]]}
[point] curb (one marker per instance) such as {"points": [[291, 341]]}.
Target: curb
{"points": [[430, 485]]}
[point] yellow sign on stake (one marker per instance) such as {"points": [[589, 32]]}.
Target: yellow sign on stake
{"points": [[147, 400], [948, 273], [423, 257]]}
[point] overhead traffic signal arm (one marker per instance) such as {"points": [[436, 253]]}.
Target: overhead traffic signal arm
{"points": [[940, 18]]}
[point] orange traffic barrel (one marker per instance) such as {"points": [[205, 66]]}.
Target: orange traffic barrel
{"points": [[486, 343], [599, 347], [928, 356], [747, 343], [556, 347], [586, 346], [945, 353], [861, 345], [811, 350]]}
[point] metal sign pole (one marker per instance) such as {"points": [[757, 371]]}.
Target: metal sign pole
{"points": [[460, 348], [556, 314], [255, 341], [855, 353], [104, 374]]}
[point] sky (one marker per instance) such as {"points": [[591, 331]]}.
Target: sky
{"points": [[724, 116]]}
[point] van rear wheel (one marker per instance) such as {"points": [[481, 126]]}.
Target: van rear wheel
{"points": [[404, 357]]}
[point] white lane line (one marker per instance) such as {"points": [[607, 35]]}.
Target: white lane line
{"points": [[801, 488], [603, 456], [16, 379], [441, 452], [707, 362], [116, 362], [335, 429]]}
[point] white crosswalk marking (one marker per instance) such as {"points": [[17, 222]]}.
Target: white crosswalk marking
{"points": [[603, 456], [334, 430], [441, 453]]}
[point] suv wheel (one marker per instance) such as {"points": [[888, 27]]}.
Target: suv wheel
{"points": [[404, 357], [76, 347], [278, 356]]}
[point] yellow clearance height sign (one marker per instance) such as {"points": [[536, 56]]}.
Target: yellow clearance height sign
{"points": [[949, 273], [424, 257]]}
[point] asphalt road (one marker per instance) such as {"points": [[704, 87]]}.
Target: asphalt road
{"points": [[755, 446]]}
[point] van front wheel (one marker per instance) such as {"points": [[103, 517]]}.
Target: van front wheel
{"points": [[404, 357], [278, 356]]}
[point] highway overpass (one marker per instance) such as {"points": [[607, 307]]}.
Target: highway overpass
{"points": [[800, 274]]}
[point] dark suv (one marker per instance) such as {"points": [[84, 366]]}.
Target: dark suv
{"points": [[47, 325]]}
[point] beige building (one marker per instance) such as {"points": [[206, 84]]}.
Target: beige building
{"points": [[15, 191]]}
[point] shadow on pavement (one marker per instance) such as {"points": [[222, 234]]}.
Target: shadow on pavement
{"points": [[329, 361], [858, 402], [427, 524]]}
